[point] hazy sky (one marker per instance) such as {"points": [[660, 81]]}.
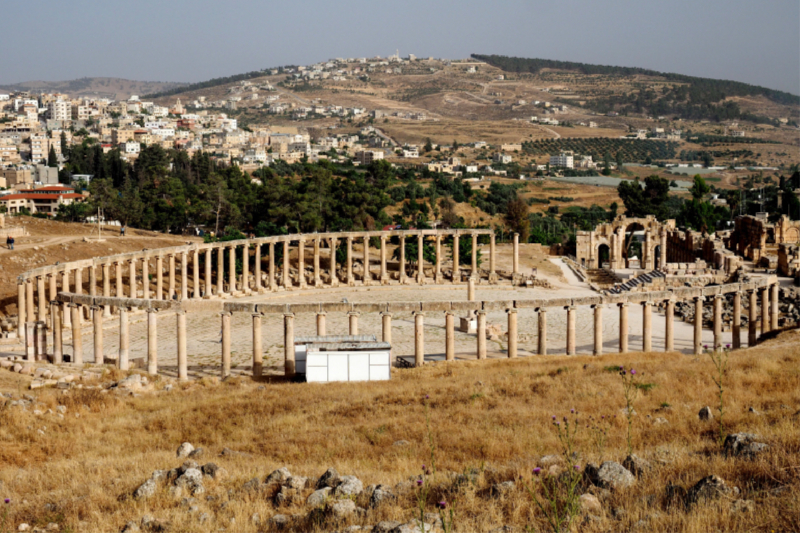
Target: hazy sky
{"points": [[755, 41]]}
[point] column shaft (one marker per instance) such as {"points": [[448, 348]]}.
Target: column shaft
{"points": [[598, 329], [542, 323], [384, 274], [21, 310], [232, 269], [456, 242], [334, 274], [196, 289], [321, 326], [752, 322], [183, 360], [515, 261], [647, 326], [367, 274], [317, 276], [571, 318], [698, 325], [159, 278], [146, 278], [301, 263], [106, 287], [669, 336], [97, 319], [402, 259], [209, 285], [492, 257], [386, 332], [77, 339], [353, 320], [272, 279], [132, 278], [258, 352], [437, 273], [774, 307], [245, 285], [449, 336], [220, 270], [41, 313], [226, 344], [512, 333], [288, 345], [473, 273], [764, 310], [152, 343], [287, 281], [172, 294], [717, 322], [58, 338], [623, 328], [259, 285], [184, 276], [420, 259], [124, 340], [419, 339], [481, 334]]}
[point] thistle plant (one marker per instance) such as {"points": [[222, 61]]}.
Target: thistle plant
{"points": [[598, 432], [445, 510], [558, 500], [630, 389], [720, 360]]}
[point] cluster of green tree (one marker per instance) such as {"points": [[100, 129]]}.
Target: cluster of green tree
{"points": [[605, 148], [561, 198], [496, 199], [213, 82], [710, 140], [692, 87], [699, 155], [533, 200], [548, 229]]}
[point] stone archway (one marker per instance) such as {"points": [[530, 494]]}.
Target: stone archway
{"points": [[603, 256], [657, 257], [631, 246]]}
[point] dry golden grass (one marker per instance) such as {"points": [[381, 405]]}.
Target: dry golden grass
{"points": [[492, 415]]}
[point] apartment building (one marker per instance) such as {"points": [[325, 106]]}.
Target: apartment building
{"points": [[564, 160], [42, 200], [59, 110], [365, 157]]}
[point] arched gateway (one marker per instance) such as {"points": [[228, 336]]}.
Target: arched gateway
{"points": [[621, 239]]}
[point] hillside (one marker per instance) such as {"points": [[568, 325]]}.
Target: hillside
{"points": [[113, 88]]}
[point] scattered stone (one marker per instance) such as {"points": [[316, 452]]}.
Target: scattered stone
{"points": [[550, 460], [342, 508], [23, 527], [753, 411], [743, 506], [213, 471], [278, 476], [279, 521], [187, 465], [385, 527], [413, 527], [197, 453], [253, 484], [499, 489], [296, 482], [349, 486], [145, 490], [379, 495], [660, 420], [131, 527], [329, 479], [610, 475], [743, 444], [636, 465], [191, 479], [705, 414], [184, 449], [319, 497], [400, 443], [590, 504], [710, 487]]}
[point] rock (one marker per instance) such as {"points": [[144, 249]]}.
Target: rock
{"points": [[187, 465], [146, 489], [743, 444], [131, 527], [197, 453], [349, 486], [278, 476], [279, 521], [342, 508], [590, 504], [319, 497], [705, 414], [253, 484], [743, 506], [710, 487], [191, 479], [676, 495], [385, 527], [397, 442], [660, 420], [379, 495], [329, 479], [610, 475], [499, 489], [550, 460], [413, 527], [213, 471], [23, 527], [284, 496], [296, 482], [636, 465], [184, 449]]}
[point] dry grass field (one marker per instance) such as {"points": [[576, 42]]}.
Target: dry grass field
{"points": [[492, 419]]}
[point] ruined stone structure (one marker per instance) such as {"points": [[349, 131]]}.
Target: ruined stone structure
{"points": [[789, 260], [755, 238], [609, 240], [53, 298]]}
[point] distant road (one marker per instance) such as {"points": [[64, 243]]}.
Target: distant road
{"points": [[385, 137]]}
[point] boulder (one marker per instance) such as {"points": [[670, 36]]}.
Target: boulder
{"points": [[743, 444], [329, 479], [610, 475], [590, 504], [413, 527], [191, 479], [197, 453], [278, 476], [184, 449], [379, 495], [279, 521], [145, 490], [319, 497], [710, 487], [636, 465], [341, 509], [385, 527], [705, 414], [213, 471], [550, 460], [499, 489], [296, 482], [400, 443], [350, 486], [743, 506]]}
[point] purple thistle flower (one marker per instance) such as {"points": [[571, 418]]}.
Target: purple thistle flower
{"points": [[577, 467], [705, 346], [633, 372], [423, 467], [536, 471], [558, 423], [7, 500], [419, 482], [727, 345], [554, 417], [442, 504], [426, 396], [572, 410]]}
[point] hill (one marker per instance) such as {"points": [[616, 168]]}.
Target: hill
{"points": [[113, 88]]}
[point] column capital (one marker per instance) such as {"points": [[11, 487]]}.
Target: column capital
{"points": [[354, 313], [512, 310], [541, 310], [622, 304], [419, 313], [151, 310], [597, 306], [225, 313], [386, 313], [257, 315], [180, 311], [480, 312], [646, 303], [569, 307], [286, 315]]}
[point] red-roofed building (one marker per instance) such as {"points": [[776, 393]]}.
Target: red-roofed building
{"points": [[41, 200]]}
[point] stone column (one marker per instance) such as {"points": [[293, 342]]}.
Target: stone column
{"points": [[196, 291], [106, 287], [353, 320], [184, 276], [334, 275], [698, 325], [119, 285], [571, 348], [542, 320], [322, 329], [764, 310], [449, 336], [21, 310], [220, 270], [29, 297], [420, 259], [317, 278], [124, 340], [647, 326], [52, 292], [258, 352], [226, 344], [97, 319], [384, 273], [481, 334], [623, 328], [473, 273], [456, 242], [301, 263], [159, 277], [41, 313], [58, 339], [132, 278], [402, 259], [774, 307], [386, 331], [209, 282], [146, 278], [512, 332], [598, 329], [92, 280], [152, 342], [492, 259], [259, 286], [515, 264], [273, 282], [662, 261], [753, 320], [183, 360], [245, 285], [367, 275], [419, 338], [717, 323], [669, 336], [648, 261], [171, 287], [471, 290], [437, 273], [288, 345], [77, 340], [232, 269], [65, 310], [287, 281], [350, 280]]}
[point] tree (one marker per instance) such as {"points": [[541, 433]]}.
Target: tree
{"points": [[428, 145], [648, 201], [52, 160], [517, 218], [699, 189]]}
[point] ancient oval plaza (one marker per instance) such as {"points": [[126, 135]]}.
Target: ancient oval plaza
{"points": [[238, 307]]}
